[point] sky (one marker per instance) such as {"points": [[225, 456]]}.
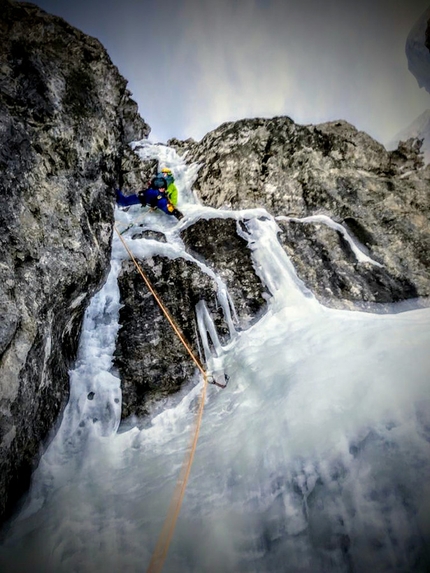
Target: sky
{"points": [[192, 65]]}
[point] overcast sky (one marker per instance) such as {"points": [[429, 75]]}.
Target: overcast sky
{"points": [[191, 65]]}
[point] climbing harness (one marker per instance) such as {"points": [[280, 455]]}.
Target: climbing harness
{"points": [[162, 546]]}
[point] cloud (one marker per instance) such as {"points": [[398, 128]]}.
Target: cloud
{"points": [[194, 64], [313, 63]]}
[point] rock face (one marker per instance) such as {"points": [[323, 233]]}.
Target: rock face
{"points": [[381, 198], [378, 199], [151, 359], [65, 120], [222, 245]]}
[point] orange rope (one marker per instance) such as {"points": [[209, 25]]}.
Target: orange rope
{"points": [[163, 308], [138, 221], [160, 552]]}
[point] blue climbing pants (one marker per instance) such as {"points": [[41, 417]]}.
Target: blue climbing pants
{"points": [[126, 200], [150, 196]]}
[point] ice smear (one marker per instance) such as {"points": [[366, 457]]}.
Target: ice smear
{"points": [[325, 220]]}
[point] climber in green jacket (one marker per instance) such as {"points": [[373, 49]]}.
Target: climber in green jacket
{"points": [[172, 190]]}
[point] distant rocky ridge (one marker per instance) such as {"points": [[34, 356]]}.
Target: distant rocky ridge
{"points": [[66, 119], [419, 129]]}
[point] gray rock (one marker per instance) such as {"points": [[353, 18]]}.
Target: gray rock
{"points": [[151, 360], [136, 173], [323, 259], [65, 120], [150, 357], [329, 169], [412, 135], [218, 244]]}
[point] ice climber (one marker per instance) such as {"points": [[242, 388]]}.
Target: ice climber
{"points": [[172, 191], [155, 196]]}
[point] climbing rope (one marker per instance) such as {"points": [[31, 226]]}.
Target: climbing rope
{"points": [[162, 546], [139, 220]]}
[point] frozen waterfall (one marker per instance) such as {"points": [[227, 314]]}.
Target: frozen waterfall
{"points": [[315, 458]]}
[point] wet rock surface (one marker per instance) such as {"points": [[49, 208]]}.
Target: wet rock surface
{"points": [[326, 263], [151, 360], [150, 357], [66, 119], [218, 242], [379, 198], [382, 198]]}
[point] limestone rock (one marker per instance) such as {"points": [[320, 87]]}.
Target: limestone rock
{"points": [[152, 362], [416, 133], [65, 119], [218, 242], [330, 169], [150, 357]]}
